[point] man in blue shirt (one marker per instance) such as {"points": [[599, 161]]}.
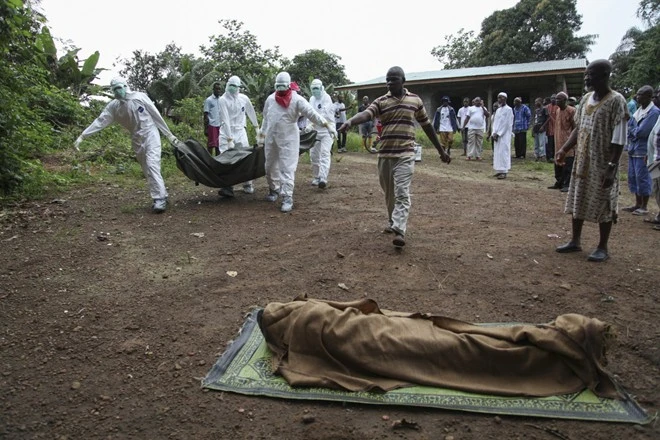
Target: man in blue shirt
{"points": [[521, 118], [639, 128]]}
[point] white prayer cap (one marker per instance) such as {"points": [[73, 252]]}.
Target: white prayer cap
{"points": [[502, 94], [561, 94]]}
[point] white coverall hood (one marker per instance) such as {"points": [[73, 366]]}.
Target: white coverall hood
{"points": [[119, 88], [317, 88], [233, 85], [282, 81]]}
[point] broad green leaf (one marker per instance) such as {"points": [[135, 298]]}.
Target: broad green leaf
{"points": [[90, 65]]}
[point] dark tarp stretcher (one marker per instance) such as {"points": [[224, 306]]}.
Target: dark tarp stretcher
{"points": [[229, 168]]}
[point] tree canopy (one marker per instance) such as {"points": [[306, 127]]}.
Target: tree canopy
{"points": [[317, 63], [237, 52], [532, 30], [635, 60]]}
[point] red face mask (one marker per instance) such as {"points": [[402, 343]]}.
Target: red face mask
{"points": [[284, 98]]}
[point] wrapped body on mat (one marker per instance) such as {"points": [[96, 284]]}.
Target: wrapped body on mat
{"points": [[357, 346]]}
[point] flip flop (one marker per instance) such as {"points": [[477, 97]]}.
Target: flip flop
{"points": [[652, 221], [656, 228]]}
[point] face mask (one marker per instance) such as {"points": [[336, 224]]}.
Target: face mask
{"points": [[281, 87], [232, 88], [119, 92], [316, 92]]}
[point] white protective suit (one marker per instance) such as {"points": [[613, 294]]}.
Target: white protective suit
{"points": [[233, 110], [320, 153], [282, 140], [137, 114], [503, 127]]}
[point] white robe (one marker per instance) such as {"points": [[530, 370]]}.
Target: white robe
{"points": [[503, 128]]}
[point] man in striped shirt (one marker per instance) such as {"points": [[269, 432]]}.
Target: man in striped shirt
{"points": [[397, 110]]}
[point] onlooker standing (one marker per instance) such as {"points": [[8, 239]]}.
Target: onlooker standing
{"points": [[521, 119], [599, 134], [654, 162], [639, 129], [550, 132], [366, 127], [502, 128], [444, 124], [212, 120], [475, 122], [632, 106], [462, 114], [491, 120], [541, 119], [564, 125], [398, 111], [340, 118]]}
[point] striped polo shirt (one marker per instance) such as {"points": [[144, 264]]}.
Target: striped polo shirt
{"points": [[398, 117]]}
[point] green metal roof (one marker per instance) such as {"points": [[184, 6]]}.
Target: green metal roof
{"points": [[504, 69]]}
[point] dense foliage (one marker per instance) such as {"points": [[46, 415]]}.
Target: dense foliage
{"points": [[635, 61], [316, 63], [34, 106]]}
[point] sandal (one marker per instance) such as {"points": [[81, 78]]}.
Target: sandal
{"points": [[654, 221]]}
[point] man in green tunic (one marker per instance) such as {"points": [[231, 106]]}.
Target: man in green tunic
{"points": [[598, 137]]}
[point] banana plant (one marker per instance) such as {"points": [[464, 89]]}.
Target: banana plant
{"points": [[68, 71]]}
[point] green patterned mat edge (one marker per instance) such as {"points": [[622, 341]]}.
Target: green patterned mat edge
{"points": [[244, 368]]}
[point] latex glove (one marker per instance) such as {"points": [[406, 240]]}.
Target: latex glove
{"points": [[230, 144], [308, 128], [331, 129], [261, 138], [172, 139], [77, 143]]}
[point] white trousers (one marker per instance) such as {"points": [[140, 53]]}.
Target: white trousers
{"points": [[147, 149], [320, 156], [281, 164]]}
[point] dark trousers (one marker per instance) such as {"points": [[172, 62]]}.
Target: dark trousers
{"points": [[550, 149], [520, 143], [464, 136], [566, 172], [341, 137]]}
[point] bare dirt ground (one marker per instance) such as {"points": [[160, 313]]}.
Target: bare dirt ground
{"points": [[110, 315]]}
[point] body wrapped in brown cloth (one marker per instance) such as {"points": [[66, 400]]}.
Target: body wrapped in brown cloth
{"points": [[356, 346]]}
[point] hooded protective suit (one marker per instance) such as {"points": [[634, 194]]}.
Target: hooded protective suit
{"points": [[137, 114], [282, 137], [234, 107], [320, 154]]}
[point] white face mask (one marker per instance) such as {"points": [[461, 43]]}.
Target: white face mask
{"points": [[316, 92], [119, 92]]}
